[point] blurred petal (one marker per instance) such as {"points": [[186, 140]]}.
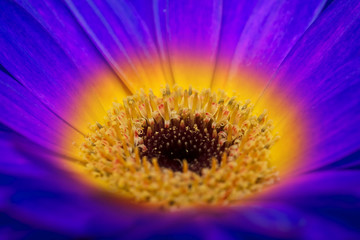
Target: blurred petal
{"points": [[46, 198], [322, 73], [328, 200], [279, 221], [13, 162], [348, 162], [13, 229]]}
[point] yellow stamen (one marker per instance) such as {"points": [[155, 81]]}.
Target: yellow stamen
{"points": [[223, 160], [227, 149], [195, 102], [186, 99], [185, 166], [137, 157], [166, 115], [213, 165], [145, 164], [156, 165]]}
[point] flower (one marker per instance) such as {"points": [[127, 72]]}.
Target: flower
{"points": [[62, 64]]}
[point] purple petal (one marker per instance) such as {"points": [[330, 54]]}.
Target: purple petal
{"points": [[123, 39], [13, 162], [26, 114], [229, 36], [256, 36], [322, 74], [35, 59], [54, 200], [63, 27], [188, 32]]}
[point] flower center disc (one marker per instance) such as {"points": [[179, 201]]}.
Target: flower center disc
{"points": [[183, 149], [193, 140]]}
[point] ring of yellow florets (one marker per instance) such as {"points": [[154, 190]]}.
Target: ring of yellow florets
{"points": [[123, 152]]}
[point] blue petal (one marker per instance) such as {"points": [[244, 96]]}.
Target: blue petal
{"points": [[11, 228], [322, 74], [348, 162]]}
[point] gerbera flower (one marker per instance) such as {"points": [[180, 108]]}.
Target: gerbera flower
{"points": [[193, 154]]}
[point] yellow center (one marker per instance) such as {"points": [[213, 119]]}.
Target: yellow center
{"points": [[184, 148]]}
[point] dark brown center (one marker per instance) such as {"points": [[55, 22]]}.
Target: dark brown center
{"points": [[194, 140]]}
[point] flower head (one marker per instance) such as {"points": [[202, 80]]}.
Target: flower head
{"points": [[184, 149], [71, 81]]}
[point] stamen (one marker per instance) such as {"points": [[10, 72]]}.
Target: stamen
{"points": [[182, 149]]}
